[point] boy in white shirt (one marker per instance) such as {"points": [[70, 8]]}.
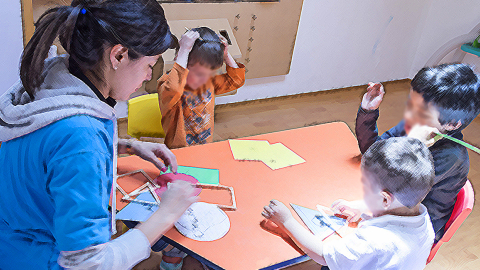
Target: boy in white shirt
{"points": [[397, 174]]}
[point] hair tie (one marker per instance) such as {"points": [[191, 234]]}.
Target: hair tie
{"points": [[83, 11]]}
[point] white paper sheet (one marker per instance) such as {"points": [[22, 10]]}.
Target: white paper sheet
{"points": [[203, 222]]}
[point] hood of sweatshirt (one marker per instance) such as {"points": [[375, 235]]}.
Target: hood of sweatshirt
{"points": [[61, 95]]}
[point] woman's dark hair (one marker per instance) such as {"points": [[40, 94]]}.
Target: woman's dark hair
{"points": [[87, 27], [454, 89], [207, 50]]}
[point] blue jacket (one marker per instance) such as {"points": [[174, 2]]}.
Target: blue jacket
{"points": [[450, 160], [57, 161]]}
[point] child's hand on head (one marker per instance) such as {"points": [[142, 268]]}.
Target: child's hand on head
{"points": [[426, 134], [186, 45], [225, 43], [374, 96], [344, 208], [277, 212], [187, 40]]}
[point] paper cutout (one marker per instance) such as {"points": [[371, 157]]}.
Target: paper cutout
{"points": [[163, 180], [137, 211], [316, 222], [275, 156], [203, 175], [249, 149], [280, 157], [148, 186], [203, 222]]}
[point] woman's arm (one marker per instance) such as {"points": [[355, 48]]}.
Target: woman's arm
{"points": [[134, 246], [79, 178]]}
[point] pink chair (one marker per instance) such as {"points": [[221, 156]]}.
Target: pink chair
{"points": [[463, 207]]}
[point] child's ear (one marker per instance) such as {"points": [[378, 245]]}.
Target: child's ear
{"points": [[387, 199], [451, 126]]}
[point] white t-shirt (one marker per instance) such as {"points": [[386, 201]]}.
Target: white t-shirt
{"points": [[386, 242]]}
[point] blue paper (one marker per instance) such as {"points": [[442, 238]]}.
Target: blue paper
{"points": [[315, 222], [136, 211]]}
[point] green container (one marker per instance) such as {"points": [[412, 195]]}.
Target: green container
{"points": [[475, 43]]}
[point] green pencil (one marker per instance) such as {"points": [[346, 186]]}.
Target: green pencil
{"points": [[467, 145]]}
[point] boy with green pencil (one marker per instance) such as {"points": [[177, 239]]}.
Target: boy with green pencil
{"points": [[443, 99]]}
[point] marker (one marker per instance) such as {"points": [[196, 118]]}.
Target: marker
{"points": [[467, 145]]}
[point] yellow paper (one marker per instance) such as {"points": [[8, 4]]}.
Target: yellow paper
{"points": [[249, 149], [279, 156]]}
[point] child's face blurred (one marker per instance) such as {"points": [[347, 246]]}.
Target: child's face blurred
{"points": [[372, 195], [198, 75], [419, 112]]}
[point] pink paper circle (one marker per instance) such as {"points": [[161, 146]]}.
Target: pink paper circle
{"points": [[164, 179]]}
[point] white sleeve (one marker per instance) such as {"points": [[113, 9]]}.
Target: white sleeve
{"points": [[350, 252], [122, 253]]}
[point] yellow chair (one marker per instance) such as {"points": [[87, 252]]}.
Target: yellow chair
{"points": [[144, 117]]}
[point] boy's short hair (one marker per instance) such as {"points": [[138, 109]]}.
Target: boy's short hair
{"points": [[402, 166], [454, 89], [207, 50]]}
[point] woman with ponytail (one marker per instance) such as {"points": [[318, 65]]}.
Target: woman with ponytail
{"points": [[59, 139]]}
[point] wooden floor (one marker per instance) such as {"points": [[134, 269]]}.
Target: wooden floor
{"points": [[276, 114]]}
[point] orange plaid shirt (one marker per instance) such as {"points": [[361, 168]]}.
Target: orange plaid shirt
{"points": [[187, 115]]}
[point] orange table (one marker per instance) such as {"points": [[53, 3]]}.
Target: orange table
{"points": [[331, 171]]}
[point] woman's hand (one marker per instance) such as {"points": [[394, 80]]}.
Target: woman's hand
{"points": [[178, 197], [153, 151], [174, 202]]}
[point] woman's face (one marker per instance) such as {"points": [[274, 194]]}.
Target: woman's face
{"points": [[129, 76]]}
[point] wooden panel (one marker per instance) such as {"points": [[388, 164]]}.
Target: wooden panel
{"points": [[265, 31], [27, 21], [272, 27]]}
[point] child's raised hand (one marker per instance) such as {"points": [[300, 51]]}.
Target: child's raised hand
{"points": [[374, 96], [187, 40], [277, 212], [426, 134], [344, 208]]}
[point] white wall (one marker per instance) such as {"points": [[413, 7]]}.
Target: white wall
{"points": [[445, 21], [339, 43], [11, 44], [345, 43]]}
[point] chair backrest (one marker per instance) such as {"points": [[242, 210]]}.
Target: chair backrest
{"points": [[463, 207], [144, 117]]}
